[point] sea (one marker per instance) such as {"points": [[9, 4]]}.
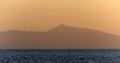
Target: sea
{"points": [[60, 56]]}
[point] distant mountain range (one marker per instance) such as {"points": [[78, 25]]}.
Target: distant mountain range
{"points": [[60, 37]]}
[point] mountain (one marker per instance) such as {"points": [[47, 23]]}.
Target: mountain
{"points": [[60, 37]]}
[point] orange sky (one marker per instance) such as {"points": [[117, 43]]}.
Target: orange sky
{"points": [[42, 15]]}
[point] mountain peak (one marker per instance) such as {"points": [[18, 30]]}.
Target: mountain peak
{"points": [[62, 25], [59, 28], [64, 28]]}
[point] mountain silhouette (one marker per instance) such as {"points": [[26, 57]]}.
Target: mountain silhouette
{"points": [[60, 37]]}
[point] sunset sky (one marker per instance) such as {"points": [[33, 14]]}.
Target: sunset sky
{"points": [[42, 15]]}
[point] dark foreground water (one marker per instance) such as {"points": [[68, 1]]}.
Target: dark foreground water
{"points": [[60, 56]]}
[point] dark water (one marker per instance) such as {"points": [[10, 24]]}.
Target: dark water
{"points": [[60, 56]]}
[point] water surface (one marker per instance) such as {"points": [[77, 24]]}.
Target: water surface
{"points": [[60, 56]]}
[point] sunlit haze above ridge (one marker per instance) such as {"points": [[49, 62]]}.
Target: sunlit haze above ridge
{"points": [[43, 15]]}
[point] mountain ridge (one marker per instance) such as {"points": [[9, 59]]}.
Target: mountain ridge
{"points": [[60, 28], [60, 37]]}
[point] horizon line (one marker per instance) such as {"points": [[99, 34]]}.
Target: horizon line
{"points": [[56, 27]]}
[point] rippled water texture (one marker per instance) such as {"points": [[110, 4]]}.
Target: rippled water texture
{"points": [[60, 56]]}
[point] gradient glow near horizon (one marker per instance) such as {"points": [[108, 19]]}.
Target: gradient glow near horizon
{"points": [[42, 15]]}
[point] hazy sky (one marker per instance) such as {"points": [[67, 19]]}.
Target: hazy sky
{"points": [[42, 15]]}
